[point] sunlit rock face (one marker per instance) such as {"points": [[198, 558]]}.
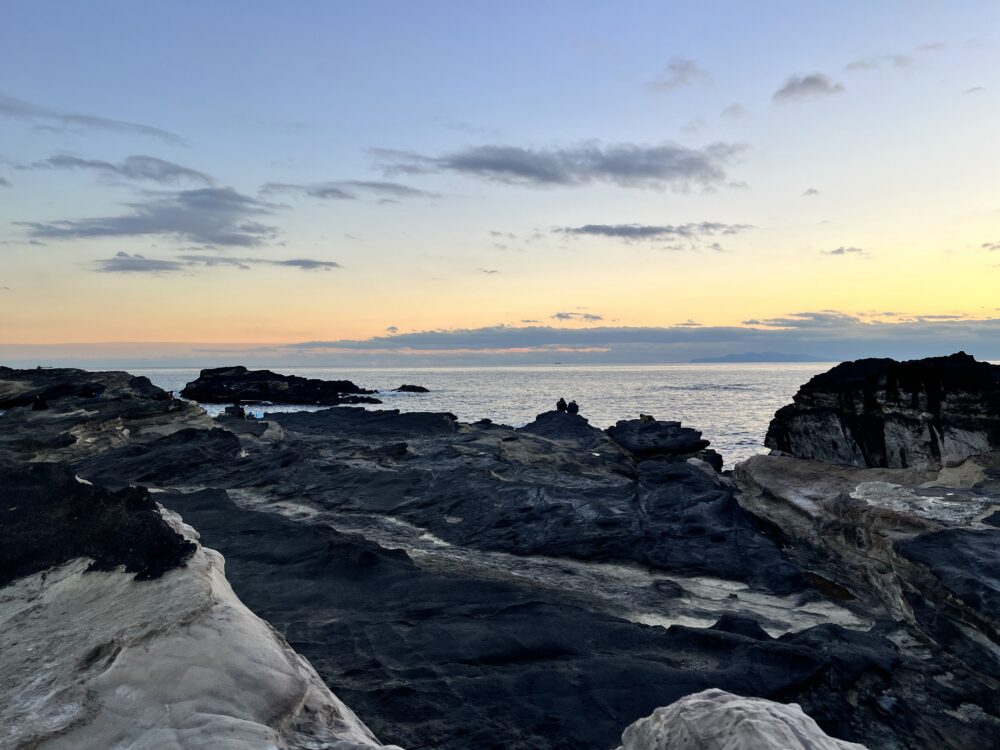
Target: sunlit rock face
{"points": [[923, 414], [717, 720]]}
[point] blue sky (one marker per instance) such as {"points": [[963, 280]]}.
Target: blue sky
{"points": [[243, 173]]}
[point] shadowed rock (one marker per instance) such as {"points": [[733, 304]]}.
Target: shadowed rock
{"points": [[924, 413], [411, 389], [48, 517], [227, 385]]}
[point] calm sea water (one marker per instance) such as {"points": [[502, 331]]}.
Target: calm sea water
{"points": [[731, 404]]}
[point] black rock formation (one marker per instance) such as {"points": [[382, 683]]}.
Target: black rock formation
{"points": [[924, 413], [649, 438], [411, 389], [227, 385], [48, 516]]}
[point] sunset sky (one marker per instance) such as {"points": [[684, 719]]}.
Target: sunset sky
{"points": [[615, 181]]}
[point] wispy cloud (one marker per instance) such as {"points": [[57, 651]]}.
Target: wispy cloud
{"points": [[624, 164], [4, 182], [733, 112], [844, 251], [587, 317], [132, 168], [676, 73], [809, 192], [347, 189], [647, 232], [489, 271], [21, 110], [878, 61], [212, 216], [811, 86], [123, 262], [975, 90], [991, 246]]}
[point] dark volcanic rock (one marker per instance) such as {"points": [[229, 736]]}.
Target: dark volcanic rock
{"points": [[48, 516], [42, 385], [411, 389], [647, 438], [451, 662], [966, 561], [227, 385], [924, 413]]}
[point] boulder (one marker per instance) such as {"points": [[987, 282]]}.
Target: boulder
{"points": [[717, 720], [227, 385], [411, 389], [924, 413], [646, 438]]}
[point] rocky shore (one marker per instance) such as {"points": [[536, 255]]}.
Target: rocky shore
{"points": [[475, 585]]}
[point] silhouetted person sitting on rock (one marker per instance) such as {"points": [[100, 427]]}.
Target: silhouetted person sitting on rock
{"points": [[572, 408], [561, 404]]}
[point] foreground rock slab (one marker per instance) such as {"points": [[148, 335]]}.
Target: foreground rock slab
{"points": [[97, 657], [717, 720]]}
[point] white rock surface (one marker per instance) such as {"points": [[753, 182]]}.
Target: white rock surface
{"points": [[98, 660], [717, 720]]}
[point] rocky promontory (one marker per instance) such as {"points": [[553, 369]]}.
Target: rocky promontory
{"points": [[873, 413], [228, 385]]}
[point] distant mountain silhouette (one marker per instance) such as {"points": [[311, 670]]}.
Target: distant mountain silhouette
{"points": [[758, 357]]}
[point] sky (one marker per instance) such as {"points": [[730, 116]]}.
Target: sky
{"points": [[447, 182]]}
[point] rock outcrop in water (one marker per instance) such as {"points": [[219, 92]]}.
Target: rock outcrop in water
{"points": [[474, 585], [924, 414], [406, 388], [227, 385], [717, 720]]}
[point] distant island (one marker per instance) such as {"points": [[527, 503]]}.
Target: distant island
{"points": [[757, 357]]}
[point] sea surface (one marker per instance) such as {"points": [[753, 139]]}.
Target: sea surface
{"points": [[731, 404]]}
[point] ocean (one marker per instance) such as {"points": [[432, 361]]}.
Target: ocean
{"points": [[731, 404]]}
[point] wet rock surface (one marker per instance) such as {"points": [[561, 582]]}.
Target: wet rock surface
{"points": [[474, 585], [228, 385], [925, 413]]}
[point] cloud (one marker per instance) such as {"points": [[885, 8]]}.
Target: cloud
{"points": [[975, 90], [123, 262], [589, 317], [211, 216], [487, 270], [126, 263], [733, 112], [877, 61], [931, 47], [676, 73], [991, 246], [51, 119], [831, 334], [810, 192], [807, 87], [844, 251], [624, 164], [392, 329], [647, 232], [347, 189], [4, 182], [132, 168]]}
